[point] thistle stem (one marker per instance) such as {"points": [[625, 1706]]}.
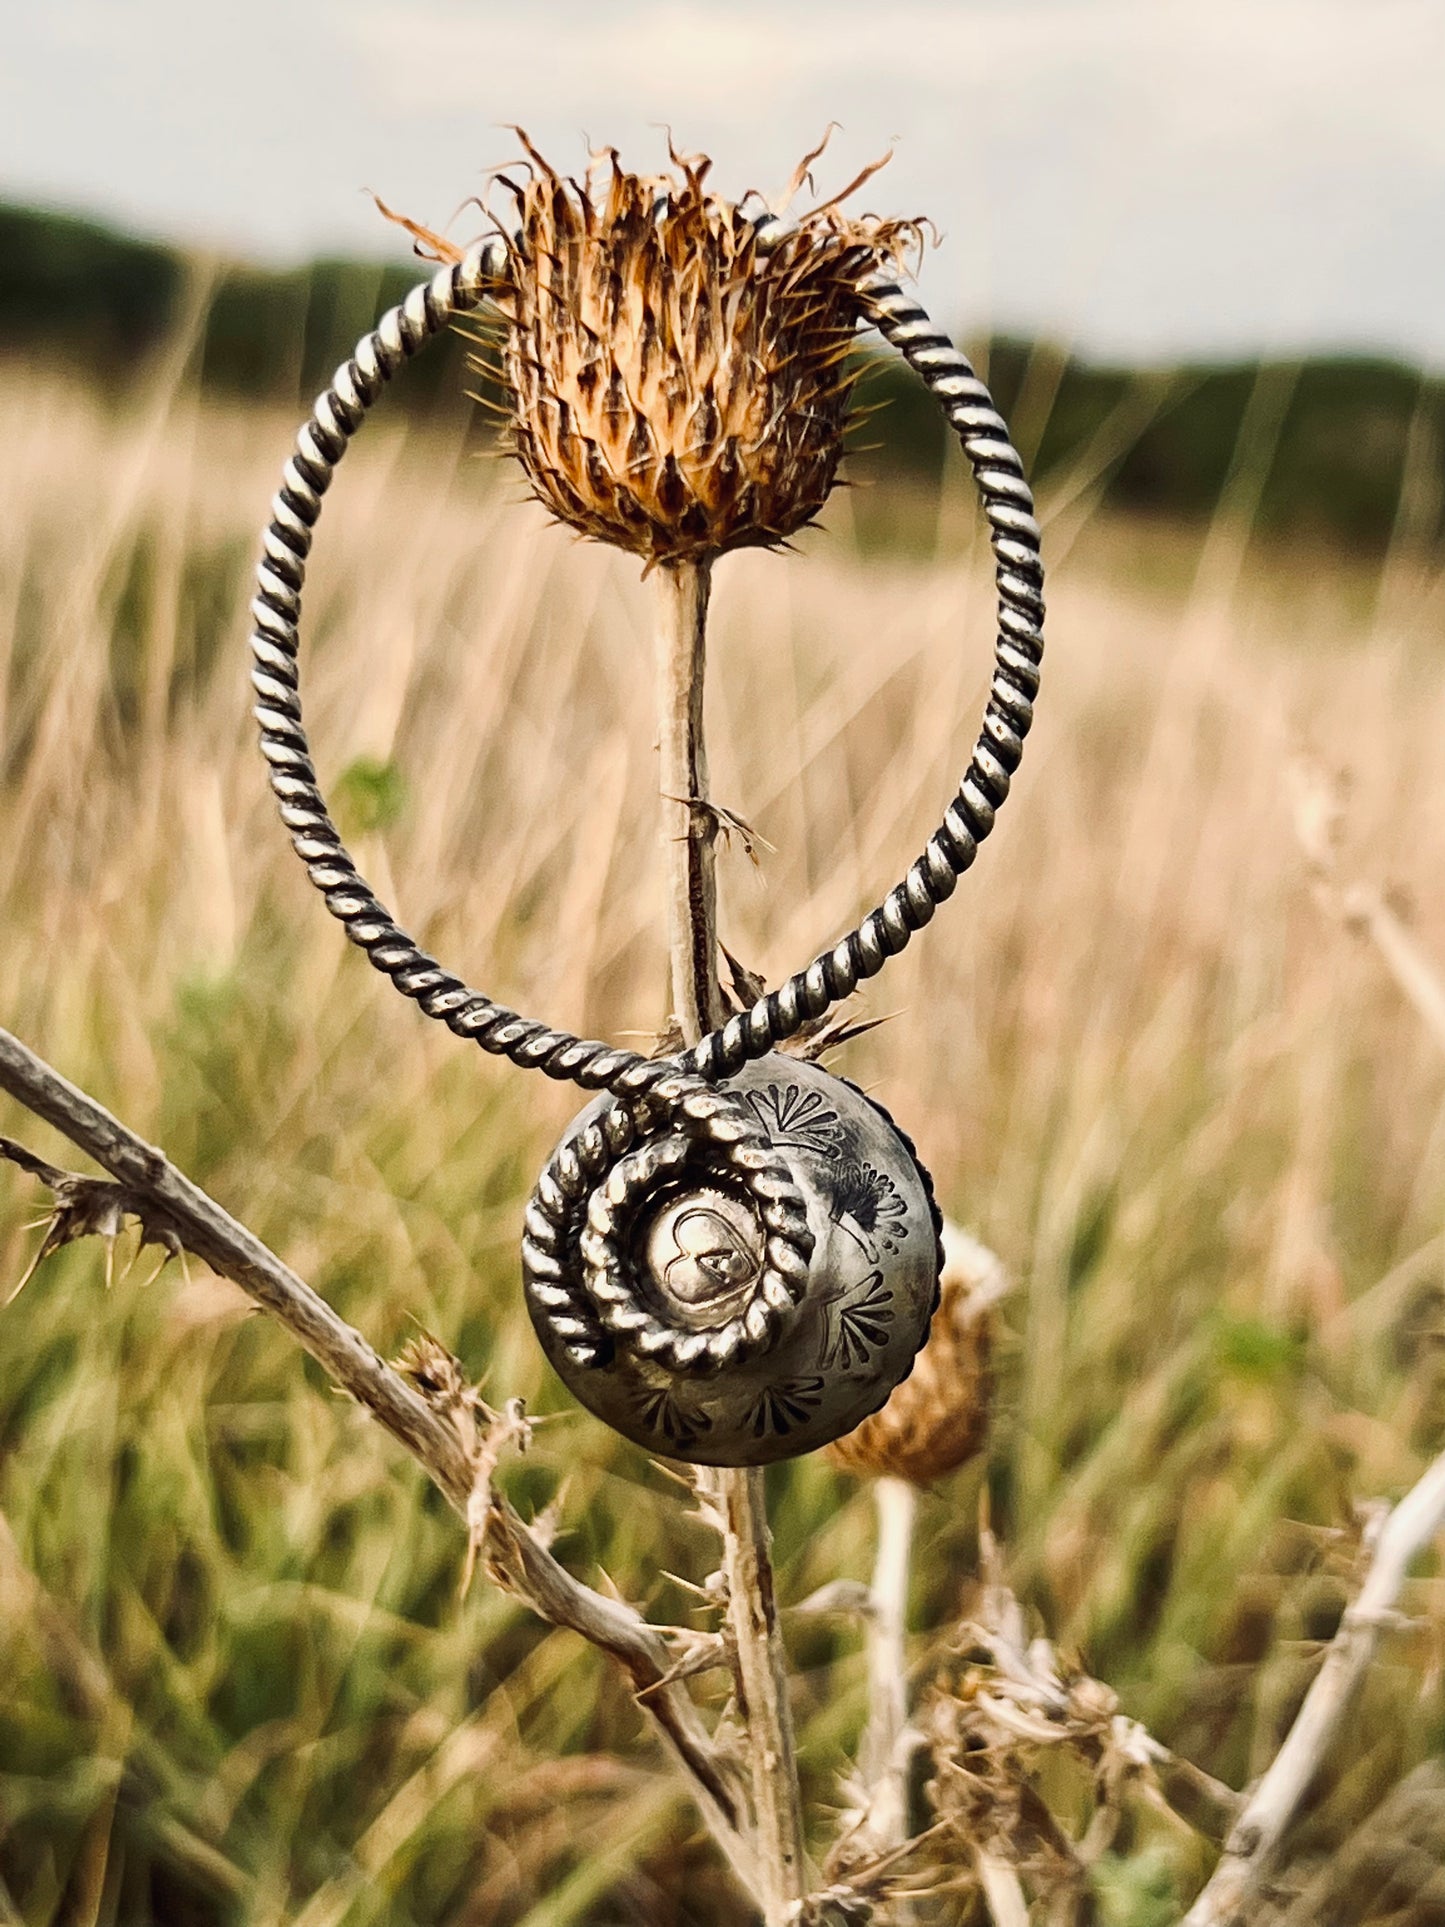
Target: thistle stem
{"points": [[761, 1680], [689, 831], [689, 828]]}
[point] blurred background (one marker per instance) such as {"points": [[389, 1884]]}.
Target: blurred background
{"points": [[1152, 1054]]}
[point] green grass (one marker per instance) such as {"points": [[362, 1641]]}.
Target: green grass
{"points": [[1192, 1114]]}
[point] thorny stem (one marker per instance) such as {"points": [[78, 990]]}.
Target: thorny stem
{"points": [[689, 832], [762, 1686], [689, 829], [515, 1557]]}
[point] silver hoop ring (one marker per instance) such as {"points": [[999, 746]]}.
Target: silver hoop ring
{"points": [[834, 973], [678, 1094]]}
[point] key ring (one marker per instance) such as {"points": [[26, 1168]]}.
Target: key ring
{"points": [[732, 1256]]}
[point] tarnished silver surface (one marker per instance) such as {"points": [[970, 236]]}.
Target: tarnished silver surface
{"points": [[691, 1251], [667, 1113]]}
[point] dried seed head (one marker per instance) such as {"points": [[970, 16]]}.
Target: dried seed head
{"points": [[674, 389], [937, 1419]]}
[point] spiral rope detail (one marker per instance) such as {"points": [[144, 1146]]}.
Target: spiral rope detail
{"points": [[669, 1116]]}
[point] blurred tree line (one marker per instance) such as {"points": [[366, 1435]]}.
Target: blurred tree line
{"points": [[1343, 447]]}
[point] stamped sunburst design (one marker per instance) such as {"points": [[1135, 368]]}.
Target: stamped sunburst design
{"points": [[872, 1201], [659, 1410], [797, 1119], [858, 1324], [782, 1409]]}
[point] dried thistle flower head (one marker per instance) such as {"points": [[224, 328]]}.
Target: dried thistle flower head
{"points": [[675, 389], [937, 1419]]}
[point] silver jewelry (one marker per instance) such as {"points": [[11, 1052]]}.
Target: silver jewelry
{"points": [[685, 1249]]}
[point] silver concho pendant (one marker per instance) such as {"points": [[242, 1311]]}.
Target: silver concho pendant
{"points": [[688, 1251]]}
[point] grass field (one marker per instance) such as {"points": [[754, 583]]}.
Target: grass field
{"points": [[1192, 1113]]}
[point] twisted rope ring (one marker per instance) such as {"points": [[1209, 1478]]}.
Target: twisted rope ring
{"points": [[669, 1114]]}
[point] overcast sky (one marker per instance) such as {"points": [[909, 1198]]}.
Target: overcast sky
{"points": [[1140, 178]]}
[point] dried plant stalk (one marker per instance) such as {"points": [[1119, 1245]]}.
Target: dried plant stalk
{"points": [[736, 1495], [1252, 1851], [933, 1422], [174, 1212], [884, 1763], [689, 828]]}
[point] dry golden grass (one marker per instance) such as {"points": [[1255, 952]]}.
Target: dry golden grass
{"points": [[1197, 1120]]}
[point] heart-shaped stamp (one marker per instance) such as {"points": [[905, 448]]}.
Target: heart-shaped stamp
{"points": [[704, 1251]]}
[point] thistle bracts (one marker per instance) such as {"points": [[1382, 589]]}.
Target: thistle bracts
{"points": [[675, 388]]}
